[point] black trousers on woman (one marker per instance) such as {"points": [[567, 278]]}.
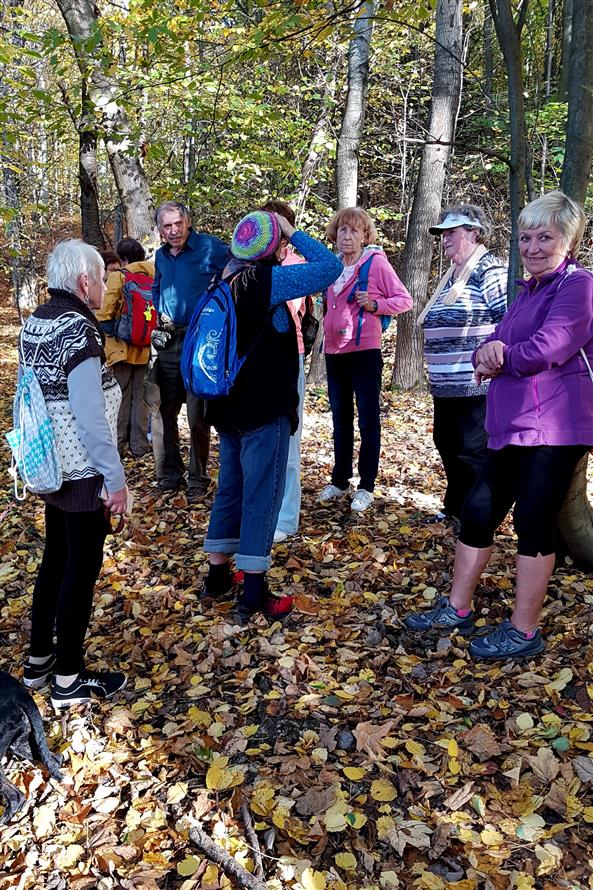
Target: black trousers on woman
{"points": [[355, 375], [63, 593], [536, 480], [460, 439]]}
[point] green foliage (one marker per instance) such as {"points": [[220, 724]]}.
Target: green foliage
{"points": [[222, 99]]}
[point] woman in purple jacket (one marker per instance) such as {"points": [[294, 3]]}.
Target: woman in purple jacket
{"points": [[539, 421]]}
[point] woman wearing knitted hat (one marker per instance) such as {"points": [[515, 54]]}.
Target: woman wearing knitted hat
{"points": [[255, 421]]}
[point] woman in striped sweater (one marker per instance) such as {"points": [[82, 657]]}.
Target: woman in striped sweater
{"points": [[469, 301]]}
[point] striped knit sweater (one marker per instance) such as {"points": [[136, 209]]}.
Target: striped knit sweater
{"points": [[451, 333], [69, 334]]}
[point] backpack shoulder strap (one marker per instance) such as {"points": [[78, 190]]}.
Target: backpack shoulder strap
{"points": [[363, 274]]}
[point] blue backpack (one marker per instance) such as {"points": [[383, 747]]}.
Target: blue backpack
{"points": [[209, 361], [362, 283]]}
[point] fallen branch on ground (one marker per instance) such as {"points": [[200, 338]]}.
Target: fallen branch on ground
{"points": [[253, 839], [227, 863]]}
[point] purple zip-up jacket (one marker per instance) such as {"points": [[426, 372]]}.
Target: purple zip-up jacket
{"points": [[544, 395]]}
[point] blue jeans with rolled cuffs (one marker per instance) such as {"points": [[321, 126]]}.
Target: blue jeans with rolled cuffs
{"points": [[250, 488]]}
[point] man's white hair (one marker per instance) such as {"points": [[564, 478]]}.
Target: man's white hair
{"points": [[69, 260]]}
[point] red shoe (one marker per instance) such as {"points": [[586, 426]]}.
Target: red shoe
{"points": [[274, 609], [278, 606]]}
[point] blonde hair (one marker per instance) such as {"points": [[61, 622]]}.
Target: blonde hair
{"points": [[556, 210], [352, 216]]}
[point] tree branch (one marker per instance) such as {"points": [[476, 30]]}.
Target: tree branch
{"points": [[463, 146], [253, 840], [522, 16], [224, 860]]}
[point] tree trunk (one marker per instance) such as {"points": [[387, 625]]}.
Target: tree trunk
{"points": [[318, 143], [509, 39], [92, 231], [408, 369], [579, 129], [82, 23], [488, 57], [575, 523], [22, 273], [353, 119], [565, 56]]}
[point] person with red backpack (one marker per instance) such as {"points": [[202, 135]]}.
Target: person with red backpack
{"points": [[128, 318]]}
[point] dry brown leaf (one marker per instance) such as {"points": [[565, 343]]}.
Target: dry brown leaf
{"points": [[368, 737], [481, 741]]}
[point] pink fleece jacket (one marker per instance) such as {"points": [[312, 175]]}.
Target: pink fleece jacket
{"points": [[340, 323]]}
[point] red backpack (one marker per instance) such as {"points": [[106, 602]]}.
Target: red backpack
{"points": [[138, 316]]}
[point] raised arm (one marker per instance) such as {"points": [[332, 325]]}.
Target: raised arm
{"points": [[321, 269]]}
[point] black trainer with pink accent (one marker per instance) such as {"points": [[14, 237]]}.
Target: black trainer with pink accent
{"points": [[443, 617]]}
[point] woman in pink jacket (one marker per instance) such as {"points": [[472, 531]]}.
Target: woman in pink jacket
{"points": [[367, 289]]}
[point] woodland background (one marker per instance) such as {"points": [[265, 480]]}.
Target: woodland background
{"points": [[335, 752]]}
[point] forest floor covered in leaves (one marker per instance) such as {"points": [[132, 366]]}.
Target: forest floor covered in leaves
{"points": [[337, 749]]}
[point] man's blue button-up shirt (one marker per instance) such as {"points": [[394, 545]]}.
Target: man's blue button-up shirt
{"points": [[179, 280]]}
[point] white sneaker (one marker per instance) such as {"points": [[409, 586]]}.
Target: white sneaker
{"points": [[331, 492], [280, 536], [362, 500]]}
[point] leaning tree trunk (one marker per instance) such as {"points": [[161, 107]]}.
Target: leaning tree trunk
{"points": [[509, 38], [446, 89], [575, 522], [319, 141], [356, 98], [81, 20]]}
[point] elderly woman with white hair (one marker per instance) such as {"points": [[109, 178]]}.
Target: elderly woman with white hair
{"points": [[469, 301], [82, 399], [539, 422]]}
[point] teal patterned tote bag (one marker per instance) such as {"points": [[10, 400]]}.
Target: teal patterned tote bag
{"points": [[35, 456]]}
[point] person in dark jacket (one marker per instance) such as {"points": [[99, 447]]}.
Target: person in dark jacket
{"points": [[255, 421], [184, 266]]}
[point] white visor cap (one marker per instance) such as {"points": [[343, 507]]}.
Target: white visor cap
{"points": [[453, 221]]}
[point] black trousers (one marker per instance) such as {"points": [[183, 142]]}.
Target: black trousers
{"points": [[536, 480], [173, 395], [460, 439], [355, 375], [63, 593]]}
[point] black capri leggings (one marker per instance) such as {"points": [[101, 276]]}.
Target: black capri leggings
{"points": [[535, 479]]}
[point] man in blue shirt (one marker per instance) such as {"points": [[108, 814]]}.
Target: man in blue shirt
{"points": [[184, 267]]}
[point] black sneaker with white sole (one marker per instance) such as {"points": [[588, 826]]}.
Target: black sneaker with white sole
{"points": [[37, 675], [100, 684]]}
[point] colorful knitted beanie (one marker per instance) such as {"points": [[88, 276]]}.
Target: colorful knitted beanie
{"points": [[256, 236]]}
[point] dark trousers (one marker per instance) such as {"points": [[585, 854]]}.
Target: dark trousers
{"points": [[460, 439], [173, 395], [132, 421], [355, 375], [63, 592], [536, 480]]}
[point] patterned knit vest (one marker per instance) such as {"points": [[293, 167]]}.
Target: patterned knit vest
{"points": [[69, 335]]}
